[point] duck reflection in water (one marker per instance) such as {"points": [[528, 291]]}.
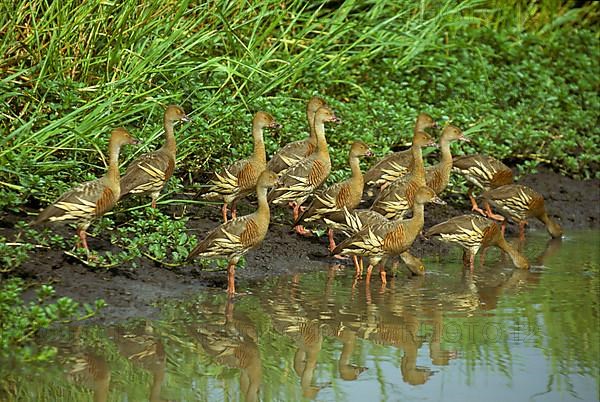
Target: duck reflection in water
{"points": [[233, 343], [89, 369], [143, 348]]}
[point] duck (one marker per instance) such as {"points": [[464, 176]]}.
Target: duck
{"points": [[519, 203], [482, 171], [397, 164], [299, 181], [345, 195], [356, 220], [474, 232], [437, 176], [235, 238], [294, 152], [352, 222], [90, 200], [397, 198], [149, 172], [240, 178], [390, 238]]}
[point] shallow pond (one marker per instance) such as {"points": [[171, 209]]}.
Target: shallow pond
{"points": [[495, 334]]}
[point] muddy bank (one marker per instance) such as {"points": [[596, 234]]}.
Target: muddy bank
{"points": [[128, 292]]}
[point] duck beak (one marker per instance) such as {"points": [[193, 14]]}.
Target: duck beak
{"points": [[186, 118], [435, 125], [134, 141], [438, 200], [433, 144], [336, 119], [369, 153], [463, 138], [275, 125]]}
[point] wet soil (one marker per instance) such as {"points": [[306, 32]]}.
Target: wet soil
{"points": [[136, 292]]}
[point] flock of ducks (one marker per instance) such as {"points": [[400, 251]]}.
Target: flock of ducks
{"points": [[295, 174]]}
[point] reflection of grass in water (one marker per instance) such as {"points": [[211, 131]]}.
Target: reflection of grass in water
{"points": [[555, 310], [551, 309]]}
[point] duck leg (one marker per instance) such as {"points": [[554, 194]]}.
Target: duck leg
{"points": [[234, 210], [153, 203], [369, 271], [522, 230], [474, 206], [357, 265], [331, 239], [491, 215], [224, 212], [382, 274], [231, 279], [82, 238]]}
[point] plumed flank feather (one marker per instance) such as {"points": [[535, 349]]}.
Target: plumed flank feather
{"points": [[483, 171], [398, 164], [226, 240], [519, 203], [294, 152], [234, 238], [149, 172], [79, 204], [240, 178], [473, 232], [390, 168], [388, 238], [515, 200], [356, 220], [298, 182], [91, 199]]}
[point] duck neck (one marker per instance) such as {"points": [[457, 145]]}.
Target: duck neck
{"points": [[113, 162], [418, 167], [312, 136], [517, 258], [418, 219], [259, 153], [552, 227], [263, 205], [446, 157], [319, 127], [170, 145], [357, 177]]}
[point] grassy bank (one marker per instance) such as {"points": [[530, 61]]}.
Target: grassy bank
{"points": [[527, 80]]}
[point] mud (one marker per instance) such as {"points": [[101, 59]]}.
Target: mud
{"points": [[136, 292]]}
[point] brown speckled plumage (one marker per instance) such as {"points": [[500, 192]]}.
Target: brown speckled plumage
{"points": [[239, 179], [474, 232], [331, 202], [482, 171], [390, 238], [149, 172], [520, 203], [91, 199], [299, 181], [294, 152], [437, 176], [398, 164], [397, 198], [236, 237]]}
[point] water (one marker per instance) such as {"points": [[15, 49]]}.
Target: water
{"points": [[496, 334]]}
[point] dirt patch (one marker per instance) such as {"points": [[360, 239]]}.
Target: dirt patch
{"points": [[135, 292]]}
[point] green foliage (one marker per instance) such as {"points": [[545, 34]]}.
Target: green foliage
{"points": [[156, 236], [21, 321]]}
